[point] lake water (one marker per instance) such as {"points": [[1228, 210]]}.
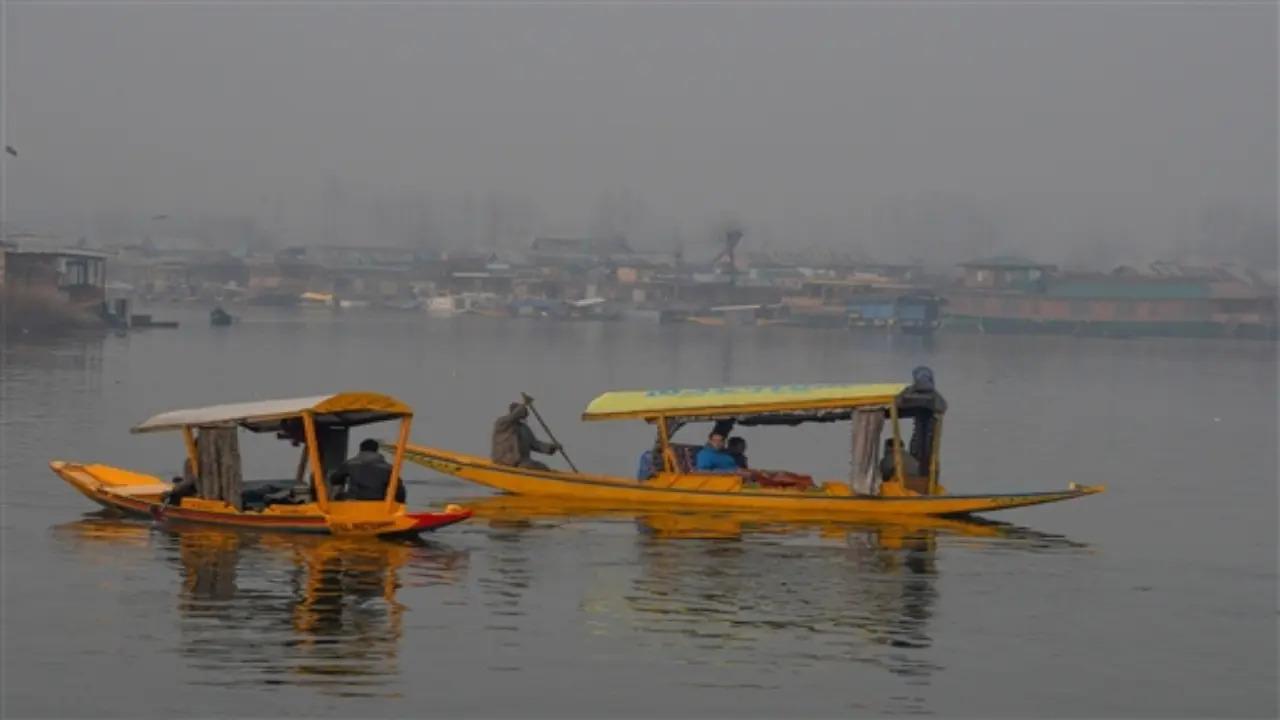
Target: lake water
{"points": [[1157, 598]]}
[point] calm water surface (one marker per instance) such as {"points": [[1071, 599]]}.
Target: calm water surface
{"points": [[1157, 598]]}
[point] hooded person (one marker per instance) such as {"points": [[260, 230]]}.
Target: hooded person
{"points": [[923, 398], [514, 442]]}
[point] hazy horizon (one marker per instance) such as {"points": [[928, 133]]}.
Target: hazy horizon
{"points": [[1062, 131]]}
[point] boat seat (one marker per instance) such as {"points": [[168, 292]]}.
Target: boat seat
{"points": [[914, 485], [258, 494], [713, 482], [918, 483], [686, 456]]}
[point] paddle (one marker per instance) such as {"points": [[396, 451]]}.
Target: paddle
{"points": [[528, 402]]}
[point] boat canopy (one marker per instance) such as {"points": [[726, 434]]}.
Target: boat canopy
{"points": [[347, 409], [742, 400]]}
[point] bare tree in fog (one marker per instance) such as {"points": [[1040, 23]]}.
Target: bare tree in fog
{"points": [[619, 213], [469, 220], [1048, 129], [332, 198], [1238, 230], [935, 227], [1095, 248], [424, 232]]}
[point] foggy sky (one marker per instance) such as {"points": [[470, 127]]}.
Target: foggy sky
{"points": [[1068, 126]]}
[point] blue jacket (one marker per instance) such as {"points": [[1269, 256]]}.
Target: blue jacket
{"points": [[712, 460], [646, 469]]}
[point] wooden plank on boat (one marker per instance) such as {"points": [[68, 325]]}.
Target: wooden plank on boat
{"points": [[706, 482], [137, 490]]}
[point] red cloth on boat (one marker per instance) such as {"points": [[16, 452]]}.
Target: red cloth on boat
{"points": [[781, 479]]}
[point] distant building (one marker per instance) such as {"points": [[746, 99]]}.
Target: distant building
{"points": [[42, 263], [354, 272], [179, 273], [352, 257], [1005, 273], [589, 251]]}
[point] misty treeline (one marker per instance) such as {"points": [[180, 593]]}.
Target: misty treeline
{"points": [[936, 228]]}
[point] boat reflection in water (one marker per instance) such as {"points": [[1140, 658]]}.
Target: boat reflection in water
{"points": [[783, 600], [839, 615], [285, 609]]}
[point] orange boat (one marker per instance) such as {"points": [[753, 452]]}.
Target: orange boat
{"points": [[319, 425]]}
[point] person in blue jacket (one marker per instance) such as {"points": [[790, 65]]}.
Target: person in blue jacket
{"points": [[714, 457]]}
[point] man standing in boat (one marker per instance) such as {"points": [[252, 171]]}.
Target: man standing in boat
{"points": [[514, 441], [737, 449]]}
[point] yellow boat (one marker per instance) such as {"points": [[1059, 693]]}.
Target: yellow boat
{"points": [[675, 482], [732, 524], [319, 425]]}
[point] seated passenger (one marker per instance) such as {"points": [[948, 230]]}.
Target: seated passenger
{"points": [[713, 457], [184, 486], [910, 467], [365, 476], [738, 450], [646, 469]]}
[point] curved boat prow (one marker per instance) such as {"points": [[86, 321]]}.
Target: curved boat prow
{"points": [[426, 521], [1008, 502]]}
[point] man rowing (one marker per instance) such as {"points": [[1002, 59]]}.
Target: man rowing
{"points": [[514, 442]]}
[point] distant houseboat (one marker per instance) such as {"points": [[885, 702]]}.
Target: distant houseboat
{"points": [[739, 315], [859, 304], [449, 305], [913, 313], [1011, 295]]}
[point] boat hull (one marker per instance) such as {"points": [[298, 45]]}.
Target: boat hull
{"points": [[621, 492], [697, 522], [140, 495]]}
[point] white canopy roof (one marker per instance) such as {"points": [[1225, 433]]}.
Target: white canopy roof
{"points": [[352, 408]]}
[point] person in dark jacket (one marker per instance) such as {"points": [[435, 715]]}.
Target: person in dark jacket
{"points": [[365, 476], [888, 466], [184, 486], [738, 449], [514, 441]]}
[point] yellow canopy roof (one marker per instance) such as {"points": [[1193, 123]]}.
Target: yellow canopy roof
{"points": [[352, 408], [712, 402]]}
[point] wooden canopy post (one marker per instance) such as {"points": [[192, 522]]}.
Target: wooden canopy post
{"points": [[934, 452], [189, 439], [301, 471], [898, 470], [319, 486], [669, 463], [398, 461]]}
